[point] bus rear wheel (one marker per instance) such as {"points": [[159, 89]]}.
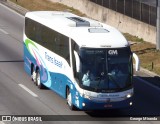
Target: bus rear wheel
{"points": [[38, 80], [33, 76], [69, 100]]}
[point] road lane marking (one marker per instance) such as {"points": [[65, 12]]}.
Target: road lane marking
{"points": [[146, 82], [28, 90], [1, 122], [3, 31]]}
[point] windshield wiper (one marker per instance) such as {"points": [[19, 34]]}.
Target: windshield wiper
{"points": [[100, 79], [114, 81]]}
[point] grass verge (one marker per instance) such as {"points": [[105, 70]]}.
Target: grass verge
{"points": [[38, 5], [149, 56]]}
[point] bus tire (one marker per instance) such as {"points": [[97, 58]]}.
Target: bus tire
{"points": [[38, 80], [33, 76], [69, 100]]}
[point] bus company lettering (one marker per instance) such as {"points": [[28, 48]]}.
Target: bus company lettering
{"points": [[113, 52], [53, 60]]}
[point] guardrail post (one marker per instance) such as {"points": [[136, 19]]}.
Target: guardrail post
{"points": [[158, 25]]}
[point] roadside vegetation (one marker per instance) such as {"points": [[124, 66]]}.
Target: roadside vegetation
{"points": [[149, 56], [35, 5]]}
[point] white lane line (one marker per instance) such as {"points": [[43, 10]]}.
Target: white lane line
{"points": [[28, 90], [146, 82], [3, 31]]}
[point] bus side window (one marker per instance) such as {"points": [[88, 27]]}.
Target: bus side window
{"points": [[38, 34], [30, 29], [62, 46], [57, 42]]}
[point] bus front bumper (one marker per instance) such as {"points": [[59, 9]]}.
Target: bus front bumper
{"points": [[86, 104]]}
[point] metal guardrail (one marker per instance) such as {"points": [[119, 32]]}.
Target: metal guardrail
{"points": [[133, 8]]}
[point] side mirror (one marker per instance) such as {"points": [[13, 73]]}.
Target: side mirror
{"points": [[77, 61], [137, 64]]}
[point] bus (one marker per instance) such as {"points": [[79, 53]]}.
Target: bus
{"points": [[88, 63]]}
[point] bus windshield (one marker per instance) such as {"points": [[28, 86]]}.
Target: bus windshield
{"points": [[106, 70]]}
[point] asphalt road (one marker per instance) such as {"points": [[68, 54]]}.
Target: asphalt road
{"points": [[19, 96]]}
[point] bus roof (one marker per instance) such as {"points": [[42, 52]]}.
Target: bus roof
{"points": [[84, 31]]}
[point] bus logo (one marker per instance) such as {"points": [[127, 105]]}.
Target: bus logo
{"points": [[113, 52]]}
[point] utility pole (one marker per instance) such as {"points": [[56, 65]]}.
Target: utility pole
{"points": [[158, 25]]}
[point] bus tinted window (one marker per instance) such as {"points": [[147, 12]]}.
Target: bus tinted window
{"points": [[48, 38]]}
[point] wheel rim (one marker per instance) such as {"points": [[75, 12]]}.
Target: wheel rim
{"points": [[34, 76], [69, 99], [38, 79]]}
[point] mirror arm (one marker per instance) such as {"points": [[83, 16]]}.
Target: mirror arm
{"points": [[77, 61], [137, 61]]}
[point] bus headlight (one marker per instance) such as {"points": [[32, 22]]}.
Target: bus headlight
{"points": [[87, 97], [129, 95]]}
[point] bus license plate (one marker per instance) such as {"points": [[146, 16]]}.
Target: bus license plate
{"points": [[108, 106]]}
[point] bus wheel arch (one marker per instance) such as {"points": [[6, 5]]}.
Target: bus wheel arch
{"points": [[69, 98], [32, 68], [33, 73]]}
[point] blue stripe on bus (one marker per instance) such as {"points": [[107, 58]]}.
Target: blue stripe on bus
{"points": [[58, 81]]}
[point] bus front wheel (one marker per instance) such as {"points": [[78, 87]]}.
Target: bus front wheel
{"points": [[69, 99]]}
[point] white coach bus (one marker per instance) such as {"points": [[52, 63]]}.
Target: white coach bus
{"points": [[88, 63]]}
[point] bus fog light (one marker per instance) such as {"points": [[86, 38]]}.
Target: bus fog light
{"points": [[130, 103], [83, 104]]}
